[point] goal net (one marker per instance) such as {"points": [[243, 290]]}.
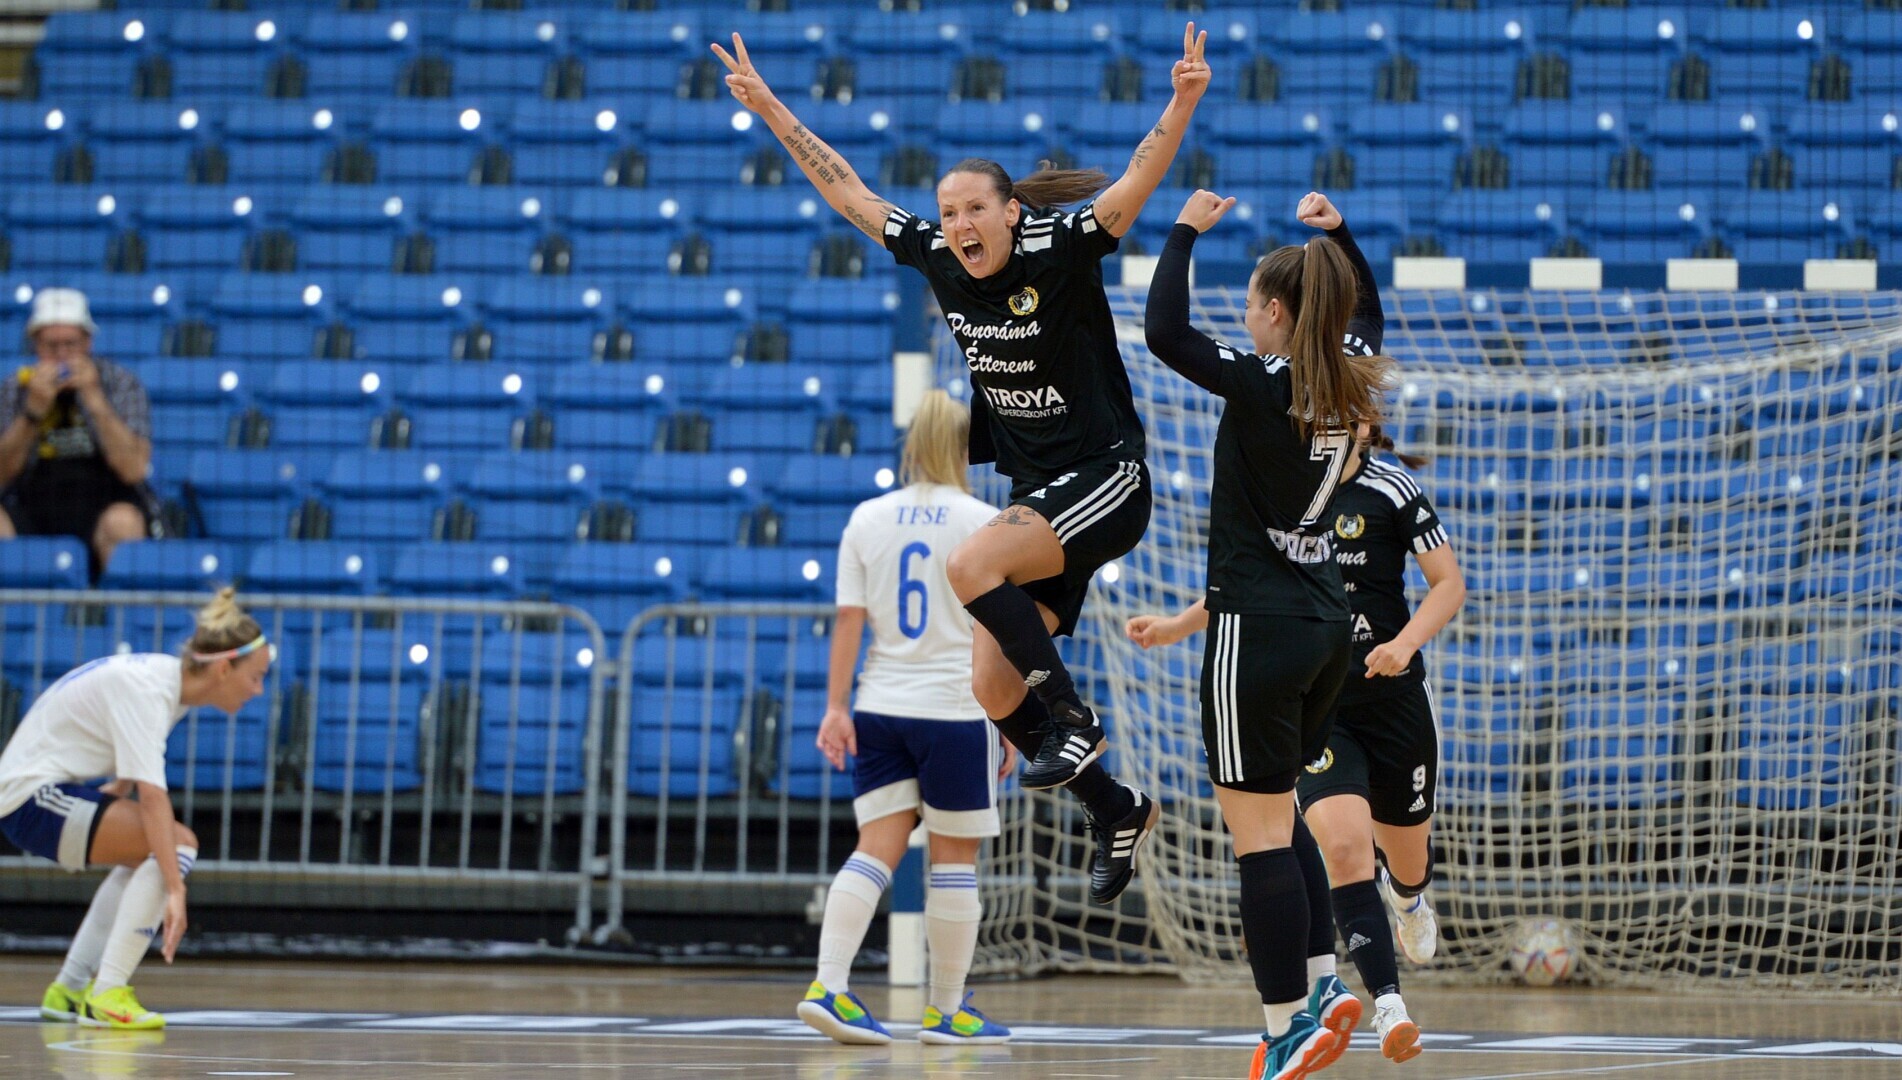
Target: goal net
{"points": [[1669, 710]]}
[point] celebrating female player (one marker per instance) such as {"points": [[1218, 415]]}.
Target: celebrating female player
{"points": [[1281, 643], [918, 739], [111, 717], [1021, 287], [1372, 790]]}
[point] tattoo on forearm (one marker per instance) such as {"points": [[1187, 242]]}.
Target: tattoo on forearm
{"points": [[813, 154], [1141, 156]]}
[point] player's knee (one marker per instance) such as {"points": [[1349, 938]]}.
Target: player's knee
{"points": [[997, 687], [121, 522], [966, 571], [183, 836], [7, 531], [1348, 858]]}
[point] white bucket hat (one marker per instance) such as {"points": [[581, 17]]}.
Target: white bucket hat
{"points": [[60, 307]]}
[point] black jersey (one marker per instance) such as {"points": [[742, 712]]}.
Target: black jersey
{"points": [[1270, 536], [1049, 391], [1378, 518]]}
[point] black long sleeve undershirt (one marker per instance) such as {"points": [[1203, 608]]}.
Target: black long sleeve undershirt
{"points": [[1197, 357]]}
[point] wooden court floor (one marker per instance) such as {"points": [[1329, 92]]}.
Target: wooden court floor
{"points": [[329, 1021]]}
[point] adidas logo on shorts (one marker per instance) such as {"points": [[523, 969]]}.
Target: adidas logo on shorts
{"points": [[1419, 804]]}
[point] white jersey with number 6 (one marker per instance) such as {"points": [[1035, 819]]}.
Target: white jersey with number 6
{"points": [[891, 563]]}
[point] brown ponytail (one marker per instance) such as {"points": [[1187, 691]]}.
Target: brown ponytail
{"points": [[1047, 187], [1380, 440], [1316, 284]]}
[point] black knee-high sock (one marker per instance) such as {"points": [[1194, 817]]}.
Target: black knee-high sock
{"points": [[1274, 922], [1108, 800], [1012, 617], [1320, 906], [1363, 921]]}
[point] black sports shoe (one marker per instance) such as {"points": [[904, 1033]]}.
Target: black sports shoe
{"points": [[1067, 749], [1114, 863]]}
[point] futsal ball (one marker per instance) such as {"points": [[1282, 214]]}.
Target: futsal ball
{"points": [[1544, 952]]}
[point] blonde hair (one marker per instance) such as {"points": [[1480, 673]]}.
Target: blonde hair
{"points": [[938, 446], [222, 626]]}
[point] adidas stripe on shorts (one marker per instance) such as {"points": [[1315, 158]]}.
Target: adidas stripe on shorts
{"points": [[1268, 689], [57, 823], [1100, 513]]}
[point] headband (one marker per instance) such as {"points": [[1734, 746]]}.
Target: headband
{"points": [[231, 654]]}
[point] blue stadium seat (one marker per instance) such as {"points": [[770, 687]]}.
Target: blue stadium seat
{"points": [[681, 742], [1563, 144], [145, 142], [773, 407], [620, 231], [1763, 55], [828, 480], [1419, 141], [485, 230], [409, 318], [549, 320], [222, 53], [1623, 751], [1625, 54], [131, 310], [1787, 226], [385, 495], [454, 410], [503, 53], [1471, 56], [171, 566], [840, 322], [1265, 145], [313, 566], [1013, 133], [195, 228], [566, 143], [1873, 40], [35, 134], [533, 501], [210, 752], [616, 582], [269, 316], [368, 734], [428, 142], [694, 498], [1792, 754], [1332, 57], [192, 401], [1843, 146], [278, 141], [474, 569], [529, 739], [355, 56], [689, 320], [64, 228], [1500, 226], [794, 574], [1057, 55], [348, 229], [43, 562], [1706, 145], [324, 403], [247, 495], [907, 57], [1234, 35], [763, 232], [638, 53], [95, 54], [608, 407], [1643, 226], [699, 142]]}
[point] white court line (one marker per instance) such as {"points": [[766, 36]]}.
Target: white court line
{"points": [[1608, 1068]]}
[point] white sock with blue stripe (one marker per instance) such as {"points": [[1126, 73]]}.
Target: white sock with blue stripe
{"points": [[141, 911], [952, 912], [850, 905], [82, 960]]}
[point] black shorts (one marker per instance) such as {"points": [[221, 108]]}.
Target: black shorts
{"points": [[67, 510], [1268, 689], [1385, 751], [1100, 513]]}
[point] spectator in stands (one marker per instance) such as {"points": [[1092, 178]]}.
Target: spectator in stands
{"points": [[75, 436]]}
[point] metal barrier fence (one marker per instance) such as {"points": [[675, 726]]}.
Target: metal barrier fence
{"points": [[402, 744]]}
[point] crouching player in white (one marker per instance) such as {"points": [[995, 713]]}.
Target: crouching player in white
{"points": [[919, 741], [111, 717]]}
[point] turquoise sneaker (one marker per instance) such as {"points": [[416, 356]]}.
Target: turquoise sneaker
{"points": [[1306, 1048], [841, 1017], [1337, 1009]]}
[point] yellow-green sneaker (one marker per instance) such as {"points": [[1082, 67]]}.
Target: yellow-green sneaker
{"points": [[119, 1009], [965, 1027], [63, 1004], [843, 1017]]}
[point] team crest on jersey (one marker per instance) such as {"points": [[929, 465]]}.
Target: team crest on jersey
{"points": [[1024, 303], [1350, 526], [1316, 768]]}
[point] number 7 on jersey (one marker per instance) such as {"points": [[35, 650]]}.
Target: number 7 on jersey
{"points": [[1331, 447]]}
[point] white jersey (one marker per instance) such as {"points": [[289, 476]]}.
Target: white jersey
{"points": [[891, 563], [110, 717]]}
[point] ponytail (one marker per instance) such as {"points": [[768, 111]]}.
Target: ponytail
{"points": [[936, 446], [1380, 440], [1316, 284], [223, 627], [1047, 187]]}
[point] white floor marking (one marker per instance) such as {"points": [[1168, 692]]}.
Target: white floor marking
{"points": [[1607, 1068]]}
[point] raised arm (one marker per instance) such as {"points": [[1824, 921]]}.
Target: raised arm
{"points": [[1368, 322], [1166, 326], [837, 183], [1118, 205]]}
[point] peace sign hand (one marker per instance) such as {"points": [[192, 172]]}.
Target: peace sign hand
{"points": [[745, 82], [1190, 76]]}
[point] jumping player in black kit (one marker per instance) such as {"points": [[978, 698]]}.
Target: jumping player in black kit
{"points": [[1280, 644], [1372, 790], [1021, 287]]}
